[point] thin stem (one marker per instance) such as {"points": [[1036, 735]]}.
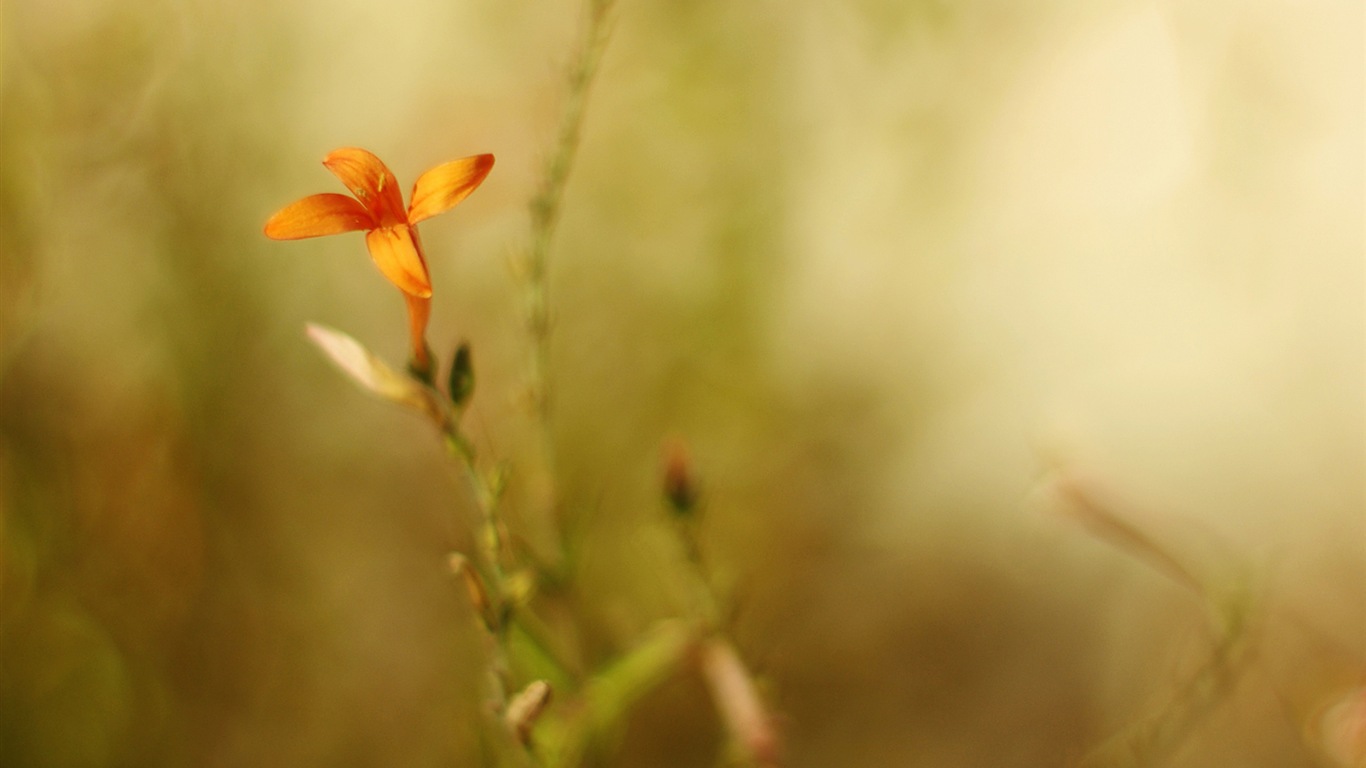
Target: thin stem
{"points": [[1096, 513], [707, 603], [1159, 735], [545, 214], [739, 705], [486, 499], [501, 616], [608, 696]]}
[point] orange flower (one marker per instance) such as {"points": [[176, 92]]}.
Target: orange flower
{"points": [[390, 229]]}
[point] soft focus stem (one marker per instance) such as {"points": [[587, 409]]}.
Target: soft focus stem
{"points": [[738, 702], [496, 618], [610, 695], [545, 214]]}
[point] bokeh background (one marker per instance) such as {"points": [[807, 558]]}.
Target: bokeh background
{"points": [[879, 263]]}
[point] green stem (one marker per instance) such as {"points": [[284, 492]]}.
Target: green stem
{"points": [[610, 695], [545, 215], [486, 497]]}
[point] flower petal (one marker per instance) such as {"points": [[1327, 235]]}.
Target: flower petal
{"points": [[371, 181], [398, 254], [439, 189], [318, 215]]}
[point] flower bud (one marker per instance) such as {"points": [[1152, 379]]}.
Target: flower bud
{"points": [[462, 375], [680, 486], [526, 707], [474, 586], [1342, 729]]}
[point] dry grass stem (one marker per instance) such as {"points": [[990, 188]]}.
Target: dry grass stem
{"points": [[738, 702]]}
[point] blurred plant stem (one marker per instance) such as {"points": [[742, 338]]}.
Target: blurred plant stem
{"points": [[607, 697], [738, 703], [1231, 610], [545, 214], [1155, 737], [500, 602]]}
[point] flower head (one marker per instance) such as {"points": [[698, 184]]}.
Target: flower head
{"points": [[389, 226]]}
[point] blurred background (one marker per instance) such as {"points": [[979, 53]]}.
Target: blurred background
{"points": [[880, 263]]}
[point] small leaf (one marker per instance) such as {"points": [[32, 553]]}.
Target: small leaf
{"points": [[374, 375]]}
